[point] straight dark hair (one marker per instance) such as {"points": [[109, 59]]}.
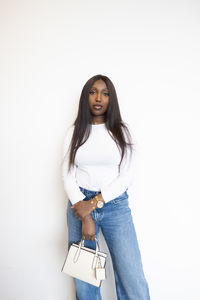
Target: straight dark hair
{"points": [[117, 129]]}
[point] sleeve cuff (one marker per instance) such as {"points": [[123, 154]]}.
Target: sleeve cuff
{"points": [[106, 196], [76, 197]]}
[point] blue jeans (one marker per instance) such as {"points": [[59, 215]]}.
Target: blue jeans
{"points": [[117, 226]]}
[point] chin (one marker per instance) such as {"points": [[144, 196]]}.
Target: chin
{"points": [[97, 114]]}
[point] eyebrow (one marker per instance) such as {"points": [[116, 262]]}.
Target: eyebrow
{"points": [[105, 89]]}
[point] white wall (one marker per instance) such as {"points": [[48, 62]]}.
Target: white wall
{"points": [[150, 50]]}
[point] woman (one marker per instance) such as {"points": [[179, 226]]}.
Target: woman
{"points": [[97, 171]]}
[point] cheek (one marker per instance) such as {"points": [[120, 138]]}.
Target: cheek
{"points": [[107, 102], [90, 101]]}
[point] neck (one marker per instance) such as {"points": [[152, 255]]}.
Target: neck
{"points": [[98, 120]]}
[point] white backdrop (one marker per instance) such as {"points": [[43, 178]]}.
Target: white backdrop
{"points": [[48, 50]]}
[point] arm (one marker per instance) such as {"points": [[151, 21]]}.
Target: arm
{"points": [[88, 228], [69, 178], [122, 182], [73, 192], [124, 179], [80, 208]]}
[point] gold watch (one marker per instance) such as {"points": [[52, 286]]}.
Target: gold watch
{"points": [[100, 203]]}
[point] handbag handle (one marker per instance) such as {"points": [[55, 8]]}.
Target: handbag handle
{"points": [[81, 244], [97, 244]]}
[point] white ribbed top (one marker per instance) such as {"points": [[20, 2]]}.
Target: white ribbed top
{"points": [[96, 166]]}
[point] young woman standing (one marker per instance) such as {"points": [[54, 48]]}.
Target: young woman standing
{"points": [[97, 171]]}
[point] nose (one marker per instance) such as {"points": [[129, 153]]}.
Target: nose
{"points": [[98, 97]]}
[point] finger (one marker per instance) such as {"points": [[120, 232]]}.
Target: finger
{"points": [[92, 237], [79, 217], [88, 237], [75, 212]]}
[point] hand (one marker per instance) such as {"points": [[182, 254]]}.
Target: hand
{"points": [[83, 209], [88, 228]]}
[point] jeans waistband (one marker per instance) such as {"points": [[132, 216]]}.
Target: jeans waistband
{"points": [[88, 193]]}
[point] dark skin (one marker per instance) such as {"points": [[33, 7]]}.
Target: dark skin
{"points": [[98, 95]]}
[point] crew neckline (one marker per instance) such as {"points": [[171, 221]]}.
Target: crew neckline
{"points": [[101, 124]]}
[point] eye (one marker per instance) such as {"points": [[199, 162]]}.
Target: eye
{"points": [[91, 92], [106, 94]]}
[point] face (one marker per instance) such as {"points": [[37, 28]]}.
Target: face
{"points": [[98, 99]]}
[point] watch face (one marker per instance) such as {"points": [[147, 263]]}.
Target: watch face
{"points": [[100, 204]]}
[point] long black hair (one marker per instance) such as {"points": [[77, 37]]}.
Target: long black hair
{"points": [[113, 121]]}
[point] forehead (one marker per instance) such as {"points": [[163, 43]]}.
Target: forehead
{"points": [[99, 84]]}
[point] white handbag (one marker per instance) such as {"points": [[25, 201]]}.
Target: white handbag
{"points": [[85, 264]]}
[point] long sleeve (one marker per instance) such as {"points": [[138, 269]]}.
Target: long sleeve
{"points": [[124, 179], [71, 186]]}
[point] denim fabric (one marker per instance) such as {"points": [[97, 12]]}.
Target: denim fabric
{"points": [[117, 226]]}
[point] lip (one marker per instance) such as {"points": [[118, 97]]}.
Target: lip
{"points": [[97, 106]]}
